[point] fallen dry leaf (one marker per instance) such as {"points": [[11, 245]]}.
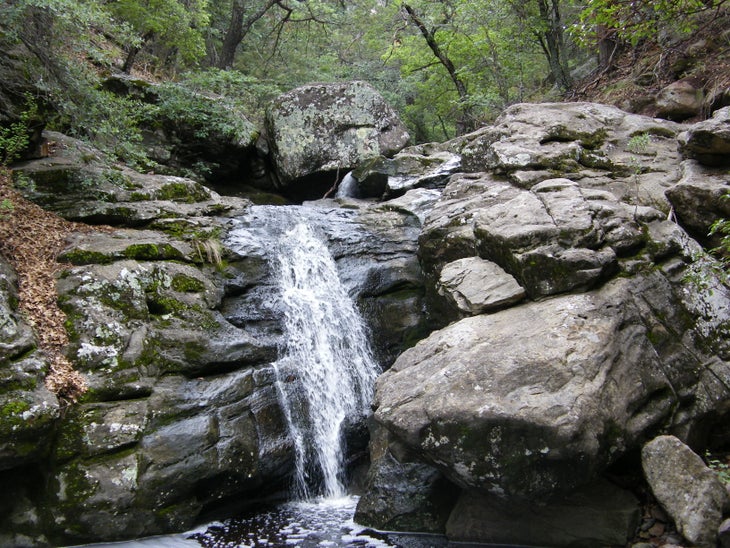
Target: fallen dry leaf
{"points": [[31, 239]]}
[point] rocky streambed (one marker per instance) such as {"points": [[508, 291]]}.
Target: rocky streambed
{"points": [[536, 293]]}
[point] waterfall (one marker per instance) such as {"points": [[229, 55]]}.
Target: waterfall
{"points": [[347, 187], [325, 372]]}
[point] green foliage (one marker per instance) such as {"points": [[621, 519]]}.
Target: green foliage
{"points": [[721, 228], [720, 467], [229, 90], [497, 51], [173, 25], [6, 206], [639, 143], [637, 21], [110, 122], [202, 115], [14, 139], [716, 265]]}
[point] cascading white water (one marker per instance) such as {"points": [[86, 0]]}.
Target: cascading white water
{"points": [[326, 372]]}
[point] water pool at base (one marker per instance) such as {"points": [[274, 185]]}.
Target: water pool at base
{"points": [[322, 523]]}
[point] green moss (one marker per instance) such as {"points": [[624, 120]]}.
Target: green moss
{"points": [[83, 257], [139, 197], [142, 252], [117, 178], [187, 284], [194, 351], [151, 252], [595, 139], [161, 305], [14, 408], [183, 192]]}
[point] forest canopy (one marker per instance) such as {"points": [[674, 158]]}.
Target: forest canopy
{"points": [[447, 66]]}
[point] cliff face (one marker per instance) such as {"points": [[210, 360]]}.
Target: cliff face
{"points": [[551, 256]]}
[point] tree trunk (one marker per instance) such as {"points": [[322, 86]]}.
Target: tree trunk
{"points": [[607, 45], [463, 123], [133, 51], [238, 28], [553, 43], [233, 36]]}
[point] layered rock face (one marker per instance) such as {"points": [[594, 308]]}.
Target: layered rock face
{"points": [[524, 405]]}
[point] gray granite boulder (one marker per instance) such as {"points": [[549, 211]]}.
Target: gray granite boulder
{"points": [[680, 100], [325, 129], [545, 395], [700, 198]]}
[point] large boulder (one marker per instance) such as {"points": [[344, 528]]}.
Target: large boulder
{"points": [[135, 467], [634, 157], [422, 166], [680, 100], [80, 183], [699, 199], [544, 396], [557, 236], [321, 130], [526, 405]]}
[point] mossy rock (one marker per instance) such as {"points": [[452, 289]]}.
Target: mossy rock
{"points": [[152, 252], [94, 429], [27, 418], [183, 191]]}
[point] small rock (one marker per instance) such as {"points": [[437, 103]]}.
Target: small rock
{"points": [[724, 534], [679, 100], [475, 285], [708, 141], [687, 489]]}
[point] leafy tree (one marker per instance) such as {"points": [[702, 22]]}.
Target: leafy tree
{"points": [[175, 26], [494, 58], [265, 21], [610, 22]]}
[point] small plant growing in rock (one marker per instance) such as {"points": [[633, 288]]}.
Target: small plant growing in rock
{"points": [[639, 143], [209, 250], [721, 228], [720, 467], [714, 263], [6, 206]]}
